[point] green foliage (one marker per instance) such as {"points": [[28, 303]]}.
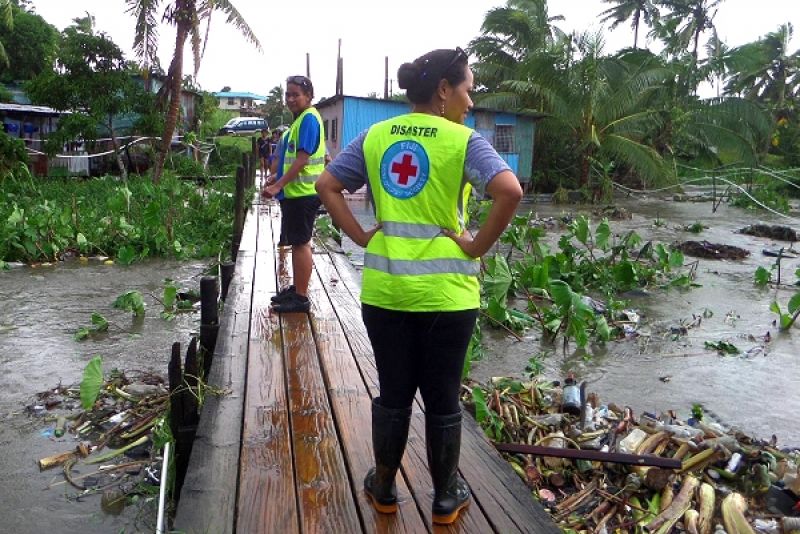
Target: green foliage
{"points": [[92, 382], [99, 325], [770, 196], [40, 41], [326, 230], [762, 277], [491, 422], [535, 365], [695, 228], [13, 156], [131, 301], [697, 411], [39, 221], [723, 347], [589, 259], [786, 320], [185, 166]]}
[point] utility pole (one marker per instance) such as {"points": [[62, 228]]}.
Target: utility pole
{"points": [[386, 78], [308, 65]]}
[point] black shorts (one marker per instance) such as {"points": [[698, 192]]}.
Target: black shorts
{"points": [[297, 219]]}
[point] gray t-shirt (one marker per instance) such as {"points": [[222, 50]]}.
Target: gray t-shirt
{"points": [[481, 164]]}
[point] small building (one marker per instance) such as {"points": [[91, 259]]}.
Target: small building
{"points": [[244, 104], [511, 134]]}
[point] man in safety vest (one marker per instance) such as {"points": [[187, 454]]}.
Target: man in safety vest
{"points": [[301, 162]]}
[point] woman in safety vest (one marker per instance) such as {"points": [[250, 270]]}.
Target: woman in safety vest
{"points": [[420, 292], [300, 164]]}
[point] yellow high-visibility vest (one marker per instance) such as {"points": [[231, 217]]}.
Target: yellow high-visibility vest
{"points": [[415, 167], [303, 185]]}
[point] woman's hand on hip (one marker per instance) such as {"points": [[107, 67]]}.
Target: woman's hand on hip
{"points": [[464, 241], [366, 237]]}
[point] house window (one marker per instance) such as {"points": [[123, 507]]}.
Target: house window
{"points": [[231, 101], [325, 127], [504, 138], [334, 127]]}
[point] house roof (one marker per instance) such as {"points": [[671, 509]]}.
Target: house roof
{"points": [[234, 94], [24, 108], [326, 102]]}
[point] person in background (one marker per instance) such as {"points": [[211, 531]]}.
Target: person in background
{"points": [[262, 143], [303, 160], [420, 291]]}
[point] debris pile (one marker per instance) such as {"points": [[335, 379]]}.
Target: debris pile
{"points": [[712, 251], [771, 231], [600, 468], [111, 448]]}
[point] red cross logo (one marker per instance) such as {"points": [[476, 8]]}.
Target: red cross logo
{"points": [[405, 170]]}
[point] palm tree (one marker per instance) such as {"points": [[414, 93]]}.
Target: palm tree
{"points": [[767, 71], [187, 16], [636, 10], [688, 19], [7, 22], [715, 66], [510, 36]]}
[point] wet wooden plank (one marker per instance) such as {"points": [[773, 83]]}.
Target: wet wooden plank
{"points": [[325, 497], [497, 490], [415, 463], [267, 497], [207, 501], [351, 402]]}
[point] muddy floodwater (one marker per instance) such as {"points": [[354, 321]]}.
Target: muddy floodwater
{"points": [[665, 367], [40, 309]]}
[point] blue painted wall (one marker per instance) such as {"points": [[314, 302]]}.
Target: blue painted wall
{"points": [[361, 113]]}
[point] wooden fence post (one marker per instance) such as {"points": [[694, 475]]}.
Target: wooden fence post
{"points": [[238, 212], [226, 271], [209, 320]]}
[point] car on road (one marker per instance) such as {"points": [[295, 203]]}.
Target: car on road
{"points": [[243, 126]]}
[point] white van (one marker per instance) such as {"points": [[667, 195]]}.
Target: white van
{"points": [[243, 126]]}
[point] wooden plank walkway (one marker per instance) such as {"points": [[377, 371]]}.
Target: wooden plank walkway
{"points": [[284, 449]]}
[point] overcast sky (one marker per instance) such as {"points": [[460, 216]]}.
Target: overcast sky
{"points": [[370, 31]]}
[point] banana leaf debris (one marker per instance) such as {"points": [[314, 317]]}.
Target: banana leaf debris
{"points": [[111, 449], [604, 469]]}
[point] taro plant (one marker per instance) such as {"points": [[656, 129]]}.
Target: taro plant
{"points": [[786, 320], [99, 325], [588, 260], [131, 301]]}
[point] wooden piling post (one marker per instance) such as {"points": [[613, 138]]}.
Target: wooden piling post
{"points": [[209, 320], [226, 273], [238, 212]]}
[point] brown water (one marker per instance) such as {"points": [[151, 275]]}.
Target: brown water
{"points": [[757, 391], [40, 309]]}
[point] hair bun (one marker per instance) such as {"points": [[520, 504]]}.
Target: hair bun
{"points": [[407, 74]]}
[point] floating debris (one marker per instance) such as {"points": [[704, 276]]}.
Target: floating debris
{"points": [[712, 251], [606, 470], [118, 432], [771, 231]]}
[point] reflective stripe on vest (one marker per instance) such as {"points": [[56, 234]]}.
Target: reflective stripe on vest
{"points": [[415, 166], [303, 184], [419, 267]]}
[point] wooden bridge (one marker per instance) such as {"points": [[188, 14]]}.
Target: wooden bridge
{"points": [[285, 448]]}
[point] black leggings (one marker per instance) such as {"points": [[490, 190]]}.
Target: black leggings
{"points": [[422, 350]]}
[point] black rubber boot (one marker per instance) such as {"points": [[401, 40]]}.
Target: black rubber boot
{"points": [[389, 436], [451, 493]]}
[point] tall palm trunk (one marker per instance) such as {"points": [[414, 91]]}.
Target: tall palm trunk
{"points": [[175, 81]]}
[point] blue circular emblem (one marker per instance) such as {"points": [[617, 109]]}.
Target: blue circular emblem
{"points": [[404, 169]]}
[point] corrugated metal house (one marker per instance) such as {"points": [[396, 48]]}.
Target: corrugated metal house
{"points": [[344, 117]]}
